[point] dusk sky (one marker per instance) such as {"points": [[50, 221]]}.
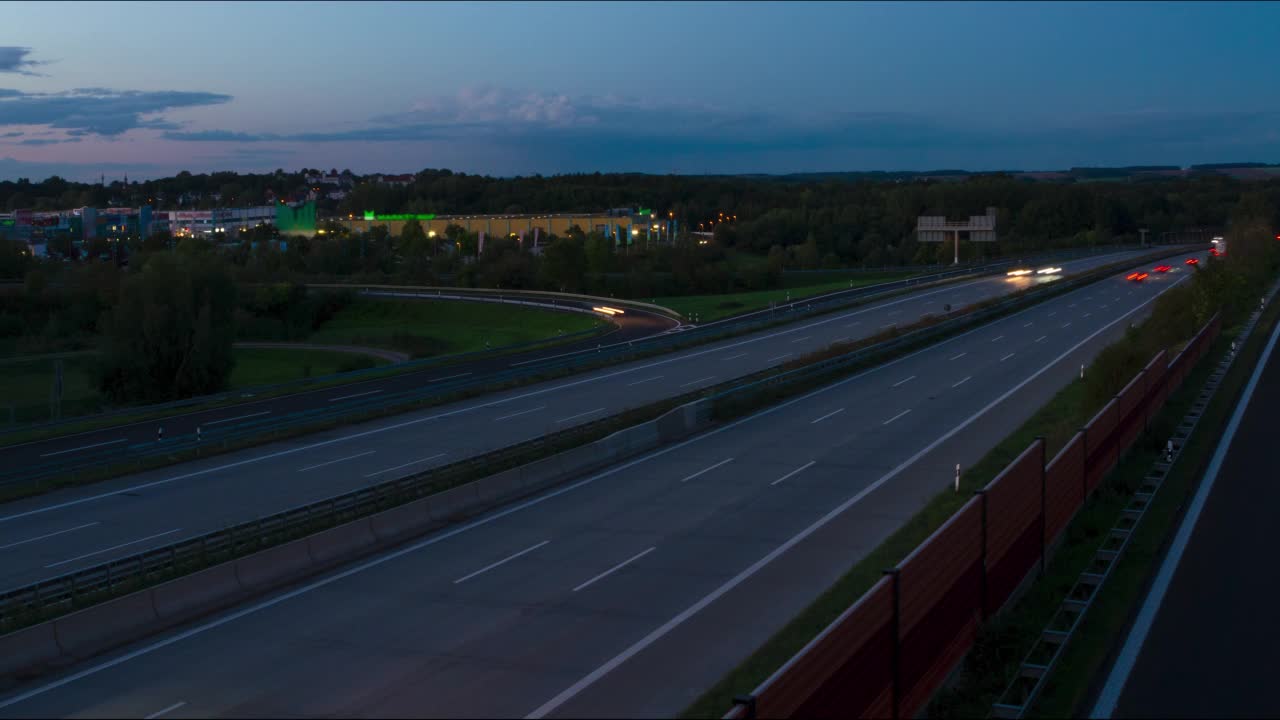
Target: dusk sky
{"points": [[149, 89]]}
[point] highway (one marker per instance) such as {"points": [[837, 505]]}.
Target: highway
{"points": [[69, 529], [634, 325], [629, 592], [1202, 643]]}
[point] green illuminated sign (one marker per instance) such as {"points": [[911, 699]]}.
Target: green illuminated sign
{"points": [[645, 211], [6, 223], [370, 215]]}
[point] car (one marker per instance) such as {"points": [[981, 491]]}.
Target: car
{"points": [[1192, 261], [1161, 269], [1138, 276]]}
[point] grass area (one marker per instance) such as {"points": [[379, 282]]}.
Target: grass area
{"points": [[1103, 628], [426, 329], [25, 386], [263, 366], [715, 307]]}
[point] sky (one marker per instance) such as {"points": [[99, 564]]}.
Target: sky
{"points": [[149, 89]]}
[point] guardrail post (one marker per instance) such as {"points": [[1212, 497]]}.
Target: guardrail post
{"points": [[982, 493], [1044, 518], [896, 657], [748, 702]]}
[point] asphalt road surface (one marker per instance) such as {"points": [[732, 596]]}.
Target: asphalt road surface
{"points": [[60, 532], [634, 325], [631, 591], [1204, 642]]}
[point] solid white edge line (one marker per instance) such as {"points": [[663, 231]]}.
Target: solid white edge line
{"points": [[412, 462], [568, 693], [49, 535], [1128, 657], [501, 562], [356, 395], [614, 569], [165, 711], [522, 412], [795, 472], [240, 417], [84, 447], [707, 470], [331, 462], [114, 547], [574, 417], [824, 417], [497, 515]]}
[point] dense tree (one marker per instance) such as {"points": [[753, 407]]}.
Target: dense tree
{"points": [[171, 331]]}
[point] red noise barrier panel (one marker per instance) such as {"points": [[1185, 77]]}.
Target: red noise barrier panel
{"points": [[887, 654], [940, 606], [1015, 524]]}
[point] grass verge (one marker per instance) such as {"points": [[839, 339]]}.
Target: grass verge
{"points": [[715, 307]]}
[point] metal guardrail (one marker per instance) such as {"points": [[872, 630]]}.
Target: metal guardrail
{"points": [[169, 559], [382, 402]]}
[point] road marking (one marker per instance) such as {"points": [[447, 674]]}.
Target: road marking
{"points": [[348, 397], [413, 462], [614, 569], [662, 630], [1132, 648], [957, 357], [114, 547], [885, 327], [840, 340], [640, 382], [779, 357], [1064, 327], [1041, 338], [707, 470], [895, 417], [1028, 325], [795, 472], [503, 561], [695, 382], [451, 377], [735, 357], [855, 322], [962, 382], [241, 417], [806, 337], [824, 417], [1071, 305], [331, 462], [522, 412], [1055, 312], [451, 413], [997, 339], [42, 537], [552, 494], [1006, 357], [169, 709], [572, 417], [84, 447], [904, 382], [1102, 307]]}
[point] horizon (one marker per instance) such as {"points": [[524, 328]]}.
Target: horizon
{"points": [[653, 88]]}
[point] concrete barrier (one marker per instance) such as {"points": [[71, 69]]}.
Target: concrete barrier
{"points": [[28, 651], [447, 505], [92, 630], [273, 565], [403, 521], [344, 541], [192, 595]]}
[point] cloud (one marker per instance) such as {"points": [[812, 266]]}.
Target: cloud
{"points": [[11, 134], [14, 60], [11, 168], [99, 111], [48, 141]]}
